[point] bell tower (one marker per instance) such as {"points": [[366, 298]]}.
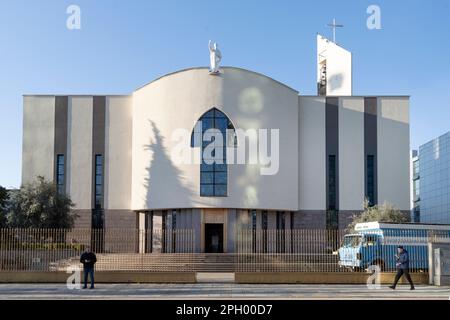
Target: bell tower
{"points": [[334, 69]]}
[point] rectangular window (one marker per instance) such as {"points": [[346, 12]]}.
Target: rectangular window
{"points": [[416, 186], [253, 217], [281, 226], [174, 219], [416, 212], [213, 180], [331, 182], [253, 214], [370, 180], [98, 181], [163, 231], [264, 224], [60, 173], [174, 226], [332, 213], [416, 169], [264, 220], [280, 220]]}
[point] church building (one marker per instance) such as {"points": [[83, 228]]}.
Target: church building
{"points": [[215, 149]]}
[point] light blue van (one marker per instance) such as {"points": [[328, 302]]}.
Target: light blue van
{"points": [[375, 243]]}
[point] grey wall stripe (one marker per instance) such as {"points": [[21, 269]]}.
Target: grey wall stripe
{"points": [[98, 139], [371, 141], [60, 142], [332, 141]]}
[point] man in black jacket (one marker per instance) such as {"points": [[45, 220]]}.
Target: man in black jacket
{"points": [[402, 267], [88, 259]]}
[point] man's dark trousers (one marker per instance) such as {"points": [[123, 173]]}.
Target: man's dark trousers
{"points": [[401, 272], [88, 271]]}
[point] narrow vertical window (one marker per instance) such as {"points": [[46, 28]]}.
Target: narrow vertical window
{"points": [[253, 213], [370, 180], [331, 182], [253, 216], [163, 231], [332, 216], [280, 220], [97, 214], [60, 173], [174, 219], [264, 225], [174, 226], [98, 181], [291, 227], [281, 229]]}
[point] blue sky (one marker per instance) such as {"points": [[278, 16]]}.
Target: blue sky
{"points": [[124, 44]]}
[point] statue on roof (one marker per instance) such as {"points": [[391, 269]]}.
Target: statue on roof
{"points": [[215, 56]]}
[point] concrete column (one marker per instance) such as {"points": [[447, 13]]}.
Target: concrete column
{"points": [[231, 230], [157, 232], [197, 227]]}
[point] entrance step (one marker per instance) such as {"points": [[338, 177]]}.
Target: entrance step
{"points": [[214, 262], [216, 277]]}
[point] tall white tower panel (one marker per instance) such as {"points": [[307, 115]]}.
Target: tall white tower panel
{"points": [[334, 69]]}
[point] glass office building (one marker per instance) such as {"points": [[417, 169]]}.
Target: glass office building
{"points": [[434, 179]]}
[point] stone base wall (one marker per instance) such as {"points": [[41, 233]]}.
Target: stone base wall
{"points": [[310, 219], [120, 219], [317, 219], [127, 219], [84, 219]]}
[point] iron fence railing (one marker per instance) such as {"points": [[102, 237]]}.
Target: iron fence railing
{"points": [[116, 249], [299, 250], [332, 250]]}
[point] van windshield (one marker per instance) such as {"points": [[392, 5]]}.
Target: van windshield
{"points": [[352, 241]]}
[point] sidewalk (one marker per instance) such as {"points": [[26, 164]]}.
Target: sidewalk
{"points": [[218, 291]]}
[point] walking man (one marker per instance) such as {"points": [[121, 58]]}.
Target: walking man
{"points": [[88, 259], [402, 267]]}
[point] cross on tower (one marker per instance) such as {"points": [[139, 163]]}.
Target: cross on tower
{"points": [[334, 26]]}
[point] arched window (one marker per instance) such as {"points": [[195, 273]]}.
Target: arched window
{"points": [[213, 170]]}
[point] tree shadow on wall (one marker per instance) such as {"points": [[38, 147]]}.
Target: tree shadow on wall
{"points": [[336, 81], [163, 180]]}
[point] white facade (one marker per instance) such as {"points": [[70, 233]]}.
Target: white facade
{"points": [[351, 153], [312, 186], [116, 154], [334, 68], [393, 151], [139, 171], [250, 100], [79, 151], [38, 137]]}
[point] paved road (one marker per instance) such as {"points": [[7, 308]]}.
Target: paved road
{"points": [[218, 291]]}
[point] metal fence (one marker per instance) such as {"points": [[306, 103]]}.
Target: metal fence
{"points": [[179, 250], [116, 249], [332, 250]]}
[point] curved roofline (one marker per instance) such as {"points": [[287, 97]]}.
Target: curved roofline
{"points": [[224, 67]]}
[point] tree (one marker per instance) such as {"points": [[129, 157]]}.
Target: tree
{"points": [[3, 202], [381, 213], [39, 205]]}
